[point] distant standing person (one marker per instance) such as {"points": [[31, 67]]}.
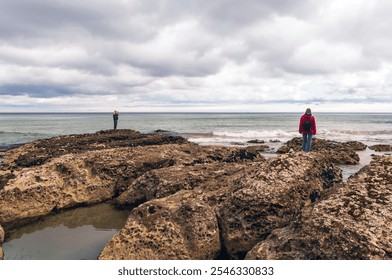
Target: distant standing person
{"points": [[307, 127], [115, 118]]}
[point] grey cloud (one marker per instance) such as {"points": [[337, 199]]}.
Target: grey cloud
{"points": [[278, 42], [42, 90]]}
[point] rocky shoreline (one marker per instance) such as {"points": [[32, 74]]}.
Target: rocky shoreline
{"points": [[201, 202]]}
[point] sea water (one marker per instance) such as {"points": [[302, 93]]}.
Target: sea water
{"points": [[75, 234], [202, 128]]}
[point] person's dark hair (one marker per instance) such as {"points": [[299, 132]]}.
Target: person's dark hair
{"points": [[308, 111]]}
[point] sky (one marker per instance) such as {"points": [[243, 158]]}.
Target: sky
{"points": [[195, 56]]}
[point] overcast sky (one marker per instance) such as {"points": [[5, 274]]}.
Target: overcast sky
{"points": [[195, 55]]}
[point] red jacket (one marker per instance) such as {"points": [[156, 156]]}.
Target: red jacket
{"points": [[304, 118]]}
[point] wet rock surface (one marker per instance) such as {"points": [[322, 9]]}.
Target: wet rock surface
{"points": [[338, 152], [351, 222]]}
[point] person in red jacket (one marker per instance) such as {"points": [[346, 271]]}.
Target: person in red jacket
{"points": [[307, 127]]}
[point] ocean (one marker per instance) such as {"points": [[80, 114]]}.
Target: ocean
{"points": [[201, 128]]}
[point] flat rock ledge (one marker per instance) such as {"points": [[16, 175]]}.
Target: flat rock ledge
{"points": [[338, 152], [351, 222]]}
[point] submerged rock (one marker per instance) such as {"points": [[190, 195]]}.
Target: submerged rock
{"points": [[381, 148], [270, 196], [352, 222], [177, 227]]}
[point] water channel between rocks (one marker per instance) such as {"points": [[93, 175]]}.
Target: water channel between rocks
{"points": [[74, 234]]}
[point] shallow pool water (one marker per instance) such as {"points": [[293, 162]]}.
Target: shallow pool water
{"points": [[75, 234]]}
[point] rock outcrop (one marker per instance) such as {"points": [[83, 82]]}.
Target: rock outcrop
{"points": [[180, 226], [93, 176], [338, 152], [1, 243], [381, 148], [250, 199], [272, 195], [215, 180], [352, 222], [198, 202], [41, 151]]}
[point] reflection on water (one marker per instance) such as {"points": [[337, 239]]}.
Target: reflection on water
{"points": [[71, 235]]}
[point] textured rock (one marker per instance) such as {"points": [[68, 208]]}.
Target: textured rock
{"points": [[381, 148], [93, 176], [214, 179], [181, 226], [1, 243], [353, 222], [272, 195], [338, 152], [40, 151]]}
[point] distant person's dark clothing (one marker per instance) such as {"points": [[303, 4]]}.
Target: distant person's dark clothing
{"points": [[115, 119], [307, 127]]}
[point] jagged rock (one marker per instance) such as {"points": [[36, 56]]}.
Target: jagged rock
{"points": [[270, 196], [1, 243], [338, 152], [381, 148], [181, 226], [213, 179], [94, 176], [353, 222]]}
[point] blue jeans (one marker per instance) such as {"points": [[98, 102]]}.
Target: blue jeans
{"points": [[306, 142]]}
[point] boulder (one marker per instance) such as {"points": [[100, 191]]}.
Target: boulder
{"points": [[350, 223], [177, 227], [270, 196]]}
